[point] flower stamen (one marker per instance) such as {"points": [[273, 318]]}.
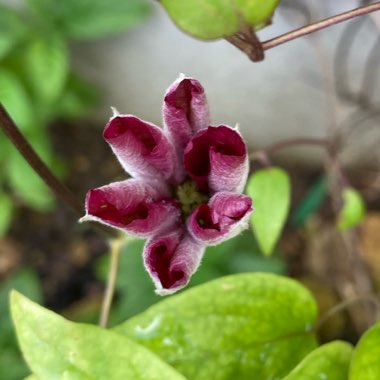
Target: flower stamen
{"points": [[189, 197]]}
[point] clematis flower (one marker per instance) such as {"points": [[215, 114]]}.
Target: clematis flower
{"points": [[185, 190]]}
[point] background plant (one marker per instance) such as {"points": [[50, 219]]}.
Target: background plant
{"points": [[38, 84]]}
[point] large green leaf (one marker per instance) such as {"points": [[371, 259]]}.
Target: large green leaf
{"points": [[210, 19], [328, 362], [365, 363], [246, 326], [57, 349], [353, 210], [16, 100], [84, 19], [270, 191], [47, 63]]}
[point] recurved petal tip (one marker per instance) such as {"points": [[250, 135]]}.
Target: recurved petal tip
{"points": [[141, 147], [217, 160], [86, 218], [222, 218], [134, 206], [171, 259]]}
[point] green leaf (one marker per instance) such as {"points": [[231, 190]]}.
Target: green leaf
{"points": [[15, 100], [246, 326], [270, 191], [211, 19], [58, 349], [87, 19], [365, 363], [328, 362], [311, 202], [353, 210], [47, 64], [24, 181], [12, 29], [6, 209]]}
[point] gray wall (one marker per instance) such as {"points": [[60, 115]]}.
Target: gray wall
{"points": [[283, 96]]}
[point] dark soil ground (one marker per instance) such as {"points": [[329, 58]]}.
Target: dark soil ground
{"points": [[55, 244]]}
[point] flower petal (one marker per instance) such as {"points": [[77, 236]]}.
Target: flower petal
{"points": [[217, 160], [222, 218], [185, 111], [141, 147], [171, 259], [134, 206]]}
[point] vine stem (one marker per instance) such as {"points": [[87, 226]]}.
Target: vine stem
{"points": [[325, 23], [115, 249], [10, 129], [371, 298], [275, 148]]}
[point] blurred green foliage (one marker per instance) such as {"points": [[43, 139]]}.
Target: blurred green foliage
{"points": [[352, 211], [12, 366], [38, 85], [311, 202]]}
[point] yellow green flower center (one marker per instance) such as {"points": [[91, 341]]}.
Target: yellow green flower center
{"points": [[190, 197]]}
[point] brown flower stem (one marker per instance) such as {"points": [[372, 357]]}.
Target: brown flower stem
{"points": [[13, 133], [275, 148], [311, 28], [262, 157], [344, 305], [254, 49], [115, 249], [248, 42]]}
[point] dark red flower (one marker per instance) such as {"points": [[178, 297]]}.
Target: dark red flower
{"points": [[186, 188]]}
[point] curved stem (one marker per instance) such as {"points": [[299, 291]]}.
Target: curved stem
{"points": [[116, 245], [10, 129], [371, 298], [303, 31], [275, 148]]}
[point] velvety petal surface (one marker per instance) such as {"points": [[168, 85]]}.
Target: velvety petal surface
{"points": [[216, 158], [135, 206], [171, 259], [141, 147], [225, 215], [185, 111]]}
